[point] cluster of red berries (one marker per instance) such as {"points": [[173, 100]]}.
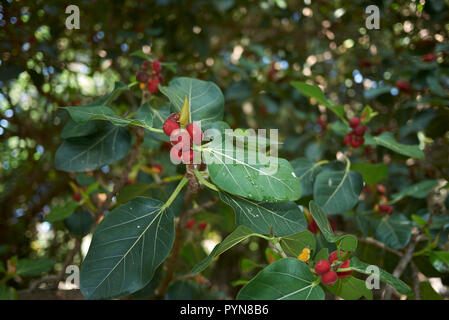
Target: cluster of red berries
{"points": [[192, 222], [182, 139], [385, 208], [403, 86], [150, 76], [355, 137], [325, 269]]}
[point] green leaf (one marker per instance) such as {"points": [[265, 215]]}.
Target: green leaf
{"points": [[286, 279], [372, 173], [61, 212], [79, 223], [387, 140], [8, 293], [271, 179], [316, 93], [440, 260], [281, 218], [306, 171], [205, 98], [395, 231], [351, 288], [238, 235], [127, 247], [337, 191], [73, 129], [295, 243], [323, 254], [384, 276], [419, 190], [33, 267], [94, 151], [347, 242], [83, 114]]}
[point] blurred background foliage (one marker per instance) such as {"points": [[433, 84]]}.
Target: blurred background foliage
{"points": [[252, 50]]}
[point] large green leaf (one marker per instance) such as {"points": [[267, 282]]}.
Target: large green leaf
{"points": [[384, 276], [315, 92], [126, 249], [205, 98], [351, 288], [337, 191], [281, 218], [79, 223], [294, 244], [440, 260], [238, 235], [73, 129], [306, 171], [395, 231], [387, 140], [61, 212], [33, 267], [372, 173], [285, 279], [271, 179], [94, 151], [83, 114], [346, 242], [419, 190]]}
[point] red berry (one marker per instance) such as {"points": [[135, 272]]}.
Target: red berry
{"points": [[359, 130], [187, 157], [403, 86], [429, 57], [357, 142], [146, 65], [153, 85], [142, 77], [156, 66], [334, 256], [344, 274], [381, 189], [322, 266], [329, 278], [190, 223], [348, 139], [175, 155], [385, 208], [202, 226], [195, 132], [76, 197], [157, 168], [181, 139], [174, 116], [169, 126], [354, 122], [312, 226]]}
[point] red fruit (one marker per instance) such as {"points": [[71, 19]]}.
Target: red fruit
{"points": [[169, 126], [385, 208], [367, 189], [381, 189], [322, 266], [190, 223], [175, 155], [76, 197], [357, 142], [329, 278], [344, 274], [181, 139], [312, 226], [403, 86], [156, 66], [157, 168], [187, 157], [354, 122], [429, 57], [142, 77], [146, 65], [174, 116], [334, 256], [195, 132], [359, 130], [348, 139], [202, 226], [153, 85]]}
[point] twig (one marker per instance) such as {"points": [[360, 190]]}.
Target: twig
{"points": [[415, 277], [379, 244], [202, 207]]}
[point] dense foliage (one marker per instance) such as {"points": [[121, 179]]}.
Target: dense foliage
{"points": [[91, 175]]}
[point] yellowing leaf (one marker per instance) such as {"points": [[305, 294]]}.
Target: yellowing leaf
{"points": [[184, 115], [304, 255]]}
